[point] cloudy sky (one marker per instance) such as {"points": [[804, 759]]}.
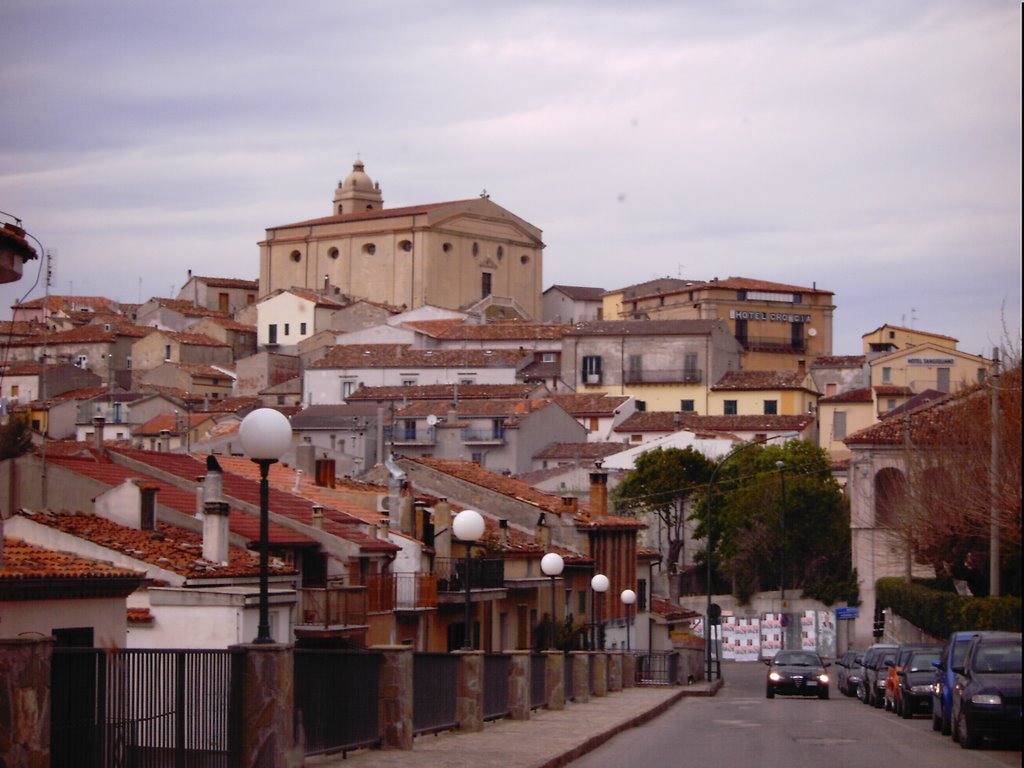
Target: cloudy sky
{"points": [[871, 148]]}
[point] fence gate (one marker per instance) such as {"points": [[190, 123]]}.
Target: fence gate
{"points": [[141, 709]]}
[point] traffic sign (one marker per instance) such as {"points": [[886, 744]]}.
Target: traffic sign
{"points": [[847, 613]]}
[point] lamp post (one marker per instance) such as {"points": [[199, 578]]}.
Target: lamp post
{"points": [[628, 597], [598, 584], [552, 564], [710, 510], [782, 550], [468, 526], [265, 435]]}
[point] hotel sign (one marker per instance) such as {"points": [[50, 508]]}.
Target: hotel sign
{"points": [[778, 317], [931, 361]]}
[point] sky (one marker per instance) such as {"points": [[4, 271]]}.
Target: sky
{"points": [[872, 149]]}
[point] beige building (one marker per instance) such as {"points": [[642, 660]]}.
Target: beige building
{"points": [[452, 254], [763, 393], [888, 338], [780, 327], [899, 375]]}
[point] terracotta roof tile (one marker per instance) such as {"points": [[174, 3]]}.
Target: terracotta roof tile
{"points": [[761, 380], [645, 328], [505, 331], [442, 392], [583, 451], [838, 361], [25, 561], [862, 395], [404, 356], [379, 213], [578, 292], [666, 421], [585, 404]]}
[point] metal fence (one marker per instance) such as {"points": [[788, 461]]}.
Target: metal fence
{"points": [[496, 670], [569, 678], [434, 689], [657, 668], [336, 699], [538, 667], [142, 709]]}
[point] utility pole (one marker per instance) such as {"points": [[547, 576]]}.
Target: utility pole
{"points": [[993, 482]]}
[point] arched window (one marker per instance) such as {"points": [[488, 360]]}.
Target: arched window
{"points": [[890, 493], [296, 257]]}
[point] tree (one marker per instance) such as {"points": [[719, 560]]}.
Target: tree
{"points": [[662, 483], [15, 437], [773, 526]]}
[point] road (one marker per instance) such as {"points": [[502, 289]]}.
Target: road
{"points": [[740, 727]]}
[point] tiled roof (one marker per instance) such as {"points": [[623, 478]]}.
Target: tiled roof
{"points": [[26, 561], [665, 421], [442, 392], [379, 213], [194, 339], [188, 309], [140, 616], [166, 547], [468, 409], [669, 611], [204, 370], [505, 331], [581, 451], [579, 293], [752, 284], [230, 324], [86, 334], [760, 380], [653, 287], [310, 295], [644, 328], [891, 390], [404, 356], [433, 328], [908, 330], [586, 404], [55, 303], [228, 282], [838, 361], [922, 398], [175, 424], [862, 395]]}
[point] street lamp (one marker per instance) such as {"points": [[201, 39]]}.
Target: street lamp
{"points": [[782, 550], [628, 597], [552, 564], [598, 584], [468, 526], [265, 435]]}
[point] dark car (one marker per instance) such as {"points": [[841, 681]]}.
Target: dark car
{"points": [[916, 681], [796, 673], [942, 697], [986, 694], [872, 684], [892, 682], [848, 671]]}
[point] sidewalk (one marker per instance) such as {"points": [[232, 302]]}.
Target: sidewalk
{"points": [[550, 738]]}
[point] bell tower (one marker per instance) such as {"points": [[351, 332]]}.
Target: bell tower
{"points": [[358, 192]]}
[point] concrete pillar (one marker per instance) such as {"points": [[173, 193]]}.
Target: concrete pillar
{"points": [[25, 693], [600, 663], [581, 676], [615, 671], [554, 679], [396, 696], [469, 695], [628, 670], [268, 682], [519, 685]]}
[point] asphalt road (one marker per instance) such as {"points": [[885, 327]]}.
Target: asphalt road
{"points": [[740, 727]]}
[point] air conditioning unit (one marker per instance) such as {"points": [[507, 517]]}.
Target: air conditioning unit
{"points": [[383, 503]]}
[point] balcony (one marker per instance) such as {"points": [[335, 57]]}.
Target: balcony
{"points": [[664, 376], [484, 573], [408, 437], [333, 607], [772, 344], [488, 436]]}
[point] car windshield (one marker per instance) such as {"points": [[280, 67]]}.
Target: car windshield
{"points": [[999, 659], [796, 659], [922, 662], [959, 651]]}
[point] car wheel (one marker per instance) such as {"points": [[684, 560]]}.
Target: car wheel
{"points": [[936, 719], [878, 702], [967, 739], [947, 726], [769, 692], [823, 693], [864, 695], [906, 709]]}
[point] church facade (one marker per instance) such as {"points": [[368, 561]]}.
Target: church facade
{"points": [[463, 255]]}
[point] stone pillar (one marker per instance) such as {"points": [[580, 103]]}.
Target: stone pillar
{"points": [[600, 662], [25, 693], [519, 685], [396, 696], [628, 670], [581, 676], [554, 679], [469, 695], [615, 671], [267, 735]]}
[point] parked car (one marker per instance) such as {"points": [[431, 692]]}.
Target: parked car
{"points": [[916, 682], [872, 684], [987, 688], [848, 669], [892, 682], [942, 697], [796, 673]]}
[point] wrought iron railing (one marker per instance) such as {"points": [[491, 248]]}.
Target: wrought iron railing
{"points": [[434, 693], [496, 671], [337, 699], [484, 573], [664, 376], [334, 606]]}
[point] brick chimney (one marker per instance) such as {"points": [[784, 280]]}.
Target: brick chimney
{"points": [[598, 491], [570, 505], [98, 424], [215, 514], [543, 533], [503, 532], [443, 528]]}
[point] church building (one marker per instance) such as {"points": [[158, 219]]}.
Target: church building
{"points": [[463, 255]]}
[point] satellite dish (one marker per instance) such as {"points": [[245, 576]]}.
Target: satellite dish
{"points": [[812, 331], [432, 419]]}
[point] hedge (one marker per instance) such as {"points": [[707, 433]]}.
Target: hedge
{"points": [[939, 613]]}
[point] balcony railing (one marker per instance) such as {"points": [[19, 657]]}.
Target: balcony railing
{"points": [[483, 436], [664, 376], [424, 436], [333, 606], [772, 344], [484, 573]]}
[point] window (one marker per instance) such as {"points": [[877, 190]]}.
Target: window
{"points": [[498, 428], [223, 302], [485, 284], [839, 425], [741, 332], [981, 375], [348, 387], [686, 406], [592, 369], [332, 253], [408, 382], [550, 357], [641, 405], [15, 389], [272, 333], [771, 407], [405, 245], [287, 329], [830, 389], [943, 380], [409, 426], [890, 403], [886, 375], [296, 257], [729, 408], [690, 367], [128, 362], [302, 329], [369, 249], [167, 351]]}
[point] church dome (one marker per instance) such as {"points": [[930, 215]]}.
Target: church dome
{"points": [[358, 178]]}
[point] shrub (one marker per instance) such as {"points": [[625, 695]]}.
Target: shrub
{"points": [[939, 613]]}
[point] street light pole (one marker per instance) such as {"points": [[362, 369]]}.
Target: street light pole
{"points": [[598, 584], [782, 550], [628, 597], [265, 435], [468, 526], [552, 564]]}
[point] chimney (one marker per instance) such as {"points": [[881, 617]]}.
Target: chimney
{"points": [[598, 491], [305, 457], [801, 366], [318, 517], [98, 423], [503, 532], [419, 519], [543, 534], [443, 528], [165, 440], [147, 507], [383, 529], [570, 505], [215, 514]]}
